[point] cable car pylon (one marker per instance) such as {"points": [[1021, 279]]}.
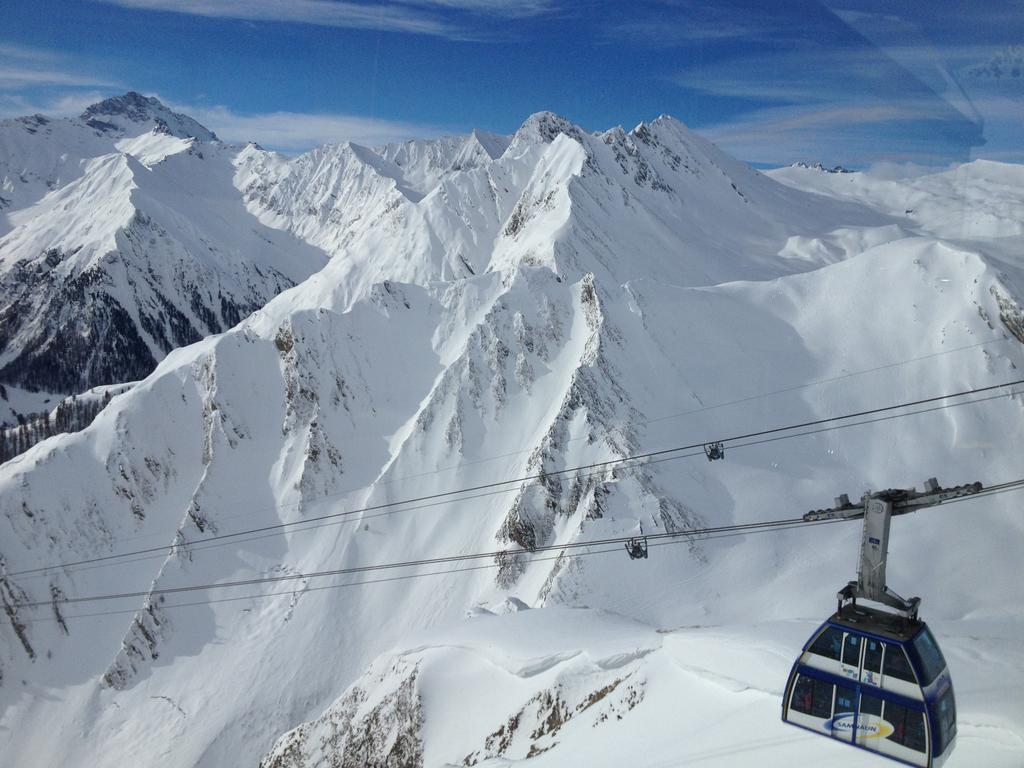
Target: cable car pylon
{"points": [[878, 509], [871, 678]]}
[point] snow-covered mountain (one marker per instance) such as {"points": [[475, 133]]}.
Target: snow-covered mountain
{"points": [[133, 114], [817, 166], [497, 309], [121, 238], [655, 191], [132, 230]]}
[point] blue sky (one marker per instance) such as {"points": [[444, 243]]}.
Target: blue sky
{"points": [[857, 82]]}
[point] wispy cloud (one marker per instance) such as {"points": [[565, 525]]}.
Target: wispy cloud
{"points": [[776, 121], [23, 67], [299, 131], [784, 134], [659, 33], [811, 71], [68, 104], [327, 13], [847, 134], [855, 17], [670, 23], [423, 17], [24, 52], [28, 77], [507, 8], [842, 104]]}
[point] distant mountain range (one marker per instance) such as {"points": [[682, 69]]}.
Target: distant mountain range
{"points": [[338, 341], [132, 230], [123, 237]]}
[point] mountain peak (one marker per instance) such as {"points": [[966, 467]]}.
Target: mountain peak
{"points": [[819, 166], [661, 124], [125, 114], [546, 126]]}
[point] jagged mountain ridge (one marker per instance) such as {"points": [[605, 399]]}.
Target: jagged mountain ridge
{"points": [[587, 324], [123, 238], [383, 220]]}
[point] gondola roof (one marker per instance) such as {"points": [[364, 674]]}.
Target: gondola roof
{"points": [[887, 625]]}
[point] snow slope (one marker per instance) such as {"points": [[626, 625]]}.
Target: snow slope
{"points": [[980, 199], [130, 230], [583, 687], [658, 190], [123, 238], [619, 293]]}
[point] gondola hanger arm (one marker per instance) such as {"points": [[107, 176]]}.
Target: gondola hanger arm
{"points": [[877, 509]]}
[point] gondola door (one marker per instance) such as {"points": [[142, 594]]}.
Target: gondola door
{"points": [[844, 714], [871, 663], [843, 724], [871, 728], [853, 647]]}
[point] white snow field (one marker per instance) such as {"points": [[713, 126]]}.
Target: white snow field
{"points": [[507, 308], [122, 237]]}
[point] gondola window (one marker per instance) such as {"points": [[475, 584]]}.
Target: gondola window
{"points": [[907, 724], [812, 697], [872, 656], [897, 665], [945, 715], [829, 644], [931, 657], [870, 705], [851, 651]]}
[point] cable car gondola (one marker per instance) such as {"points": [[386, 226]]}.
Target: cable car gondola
{"points": [[714, 451], [637, 548], [878, 681], [870, 677]]}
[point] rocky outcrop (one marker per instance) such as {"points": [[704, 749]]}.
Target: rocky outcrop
{"points": [[378, 723]]}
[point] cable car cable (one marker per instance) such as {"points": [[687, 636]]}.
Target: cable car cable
{"points": [[411, 576], [200, 545], [688, 533], [515, 481], [401, 564], [608, 431], [990, 491]]}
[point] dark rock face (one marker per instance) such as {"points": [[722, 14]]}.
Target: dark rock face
{"points": [[818, 166], [67, 334], [66, 354], [350, 735], [78, 312], [72, 414], [133, 107]]}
